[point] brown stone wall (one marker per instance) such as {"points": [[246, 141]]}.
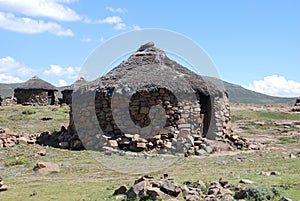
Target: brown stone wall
{"points": [[185, 122], [34, 96], [67, 96]]}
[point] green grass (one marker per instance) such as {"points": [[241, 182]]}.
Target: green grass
{"points": [[29, 118], [87, 175], [263, 115]]}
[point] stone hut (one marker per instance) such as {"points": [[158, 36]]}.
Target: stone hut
{"points": [[36, 91], [67, 92], [150, 102]]}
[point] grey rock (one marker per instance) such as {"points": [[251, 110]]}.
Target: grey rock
{"points": [[170, 189], [138, 190], [146, 46], [121, 190]]}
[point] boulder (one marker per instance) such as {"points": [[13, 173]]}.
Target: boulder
{"points": [[4, 188], [138, 190], [46, 168], [155, 193], [121, 190], [170, 189]]}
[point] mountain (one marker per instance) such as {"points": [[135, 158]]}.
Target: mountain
{"points": [[7, 90], [237, 94]]}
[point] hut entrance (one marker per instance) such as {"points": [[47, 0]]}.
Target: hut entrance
{"points": [[50, 97], [205, 112]]}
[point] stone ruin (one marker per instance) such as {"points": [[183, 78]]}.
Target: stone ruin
{"points": [[149, 102]]}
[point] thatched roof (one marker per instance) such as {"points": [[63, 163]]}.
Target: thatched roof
{"points": [[81, 81], [150, 68], [36, 83]]}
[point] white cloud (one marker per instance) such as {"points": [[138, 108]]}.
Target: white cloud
{"points": [[11, 70], [136, 28], [275, 85], [68, 72], [110, 20], [116, 10], [120, 26], [9, 79], [54, 9], [62, 83], [10, 22]]}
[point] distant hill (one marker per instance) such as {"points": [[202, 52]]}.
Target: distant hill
{"points": [[237, 94], [7, 90]]}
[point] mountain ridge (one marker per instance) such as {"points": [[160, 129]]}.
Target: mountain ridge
{"points": [[237, 94]]}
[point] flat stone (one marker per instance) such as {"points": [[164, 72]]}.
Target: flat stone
{"points": [[4, 188], [46, 168], [246, 181], [285, 199], [42, 152], [22, 140], [113, 143]]}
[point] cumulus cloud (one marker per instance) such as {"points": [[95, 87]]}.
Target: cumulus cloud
{"points": [[54, 9], [276, 85], [110, 20], [116, 10], [9, 79], [62, 83], [120, 26], [68, 72], [12, 71], [10, 22]]}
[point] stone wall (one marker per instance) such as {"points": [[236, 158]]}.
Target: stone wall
{"points": [[67, 96], [185, 123], [35, 96]]}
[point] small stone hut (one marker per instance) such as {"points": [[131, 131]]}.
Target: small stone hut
{"points": [[67, 92], [150, 101], [36, 91]]}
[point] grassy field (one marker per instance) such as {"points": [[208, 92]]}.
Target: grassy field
{"points": [[86, 176]]}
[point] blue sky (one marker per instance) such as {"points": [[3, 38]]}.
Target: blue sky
{"points": [[252, 43]]}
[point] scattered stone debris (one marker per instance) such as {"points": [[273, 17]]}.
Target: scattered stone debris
{"points": [[165, 189], [269, 173], [8, 101], [10, 139], [3, 187], [64, 139], [46, 168]]}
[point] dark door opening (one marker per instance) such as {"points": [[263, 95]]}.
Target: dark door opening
{"points": [[50, 97], [205, 104]]}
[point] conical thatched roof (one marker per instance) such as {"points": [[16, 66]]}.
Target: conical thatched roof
{"points": [[150, 68], [81, 81], [36, 83]]}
